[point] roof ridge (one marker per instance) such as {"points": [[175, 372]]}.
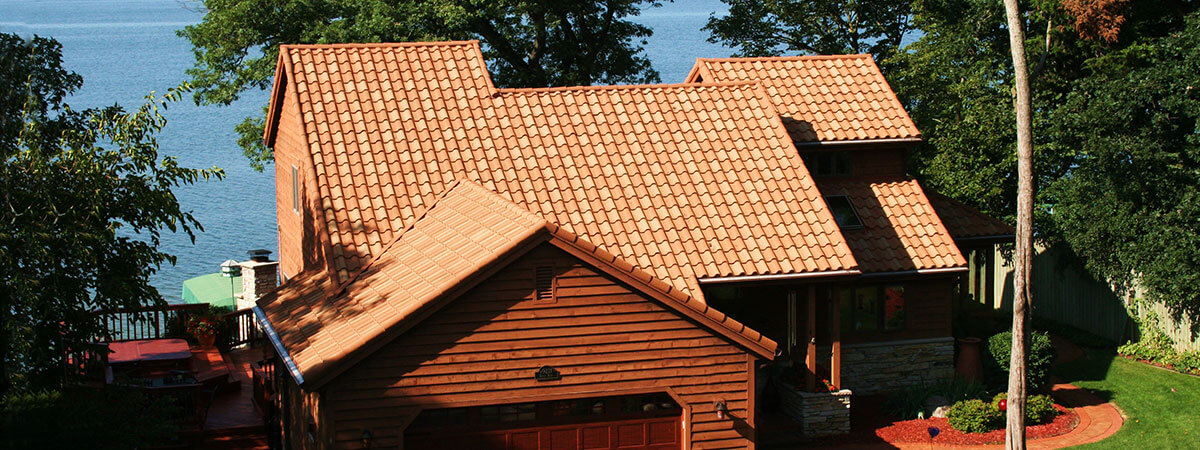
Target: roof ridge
{"points": [[335, 45], [615, 87], [787, 58]]}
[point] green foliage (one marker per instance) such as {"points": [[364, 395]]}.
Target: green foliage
{"points": [[112, 418], [86, 198], [771, 27], [974, 416], [1039, 409], [1039, 356], [907, 402], [528, 43], [1155, 346]]}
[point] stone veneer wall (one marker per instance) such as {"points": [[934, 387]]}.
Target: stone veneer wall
{"points": [[878, 367], [820, 413]]}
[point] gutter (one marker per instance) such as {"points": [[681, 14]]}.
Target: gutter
{"points": [[858, 142], [777, 277], [994, 237], [279, 349], [916, 272]]}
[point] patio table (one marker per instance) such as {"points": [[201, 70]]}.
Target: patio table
{"points": [[149, 350]]}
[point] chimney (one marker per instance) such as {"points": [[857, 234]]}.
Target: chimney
{"points": [[259, 276]]}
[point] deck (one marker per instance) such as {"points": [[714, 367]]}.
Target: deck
{"points": [[233, 419]]}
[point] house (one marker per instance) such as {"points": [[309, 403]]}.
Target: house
{"points": [[588, 267]]}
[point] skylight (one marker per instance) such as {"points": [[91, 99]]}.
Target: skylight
{"points": [[843, 212]]}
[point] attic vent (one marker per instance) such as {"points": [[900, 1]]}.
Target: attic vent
{"points": [[543, 277]]}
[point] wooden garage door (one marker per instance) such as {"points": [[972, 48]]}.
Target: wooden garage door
{"points": [[638, 422]]}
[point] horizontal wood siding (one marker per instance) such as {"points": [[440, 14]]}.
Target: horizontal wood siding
{"points": [[484, 348], [303, 409]]}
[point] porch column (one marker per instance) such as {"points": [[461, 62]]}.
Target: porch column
{"points": [[810, 357], [835, 334]]}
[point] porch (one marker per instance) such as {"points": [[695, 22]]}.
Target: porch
{"points": [[840, 337], [223, 393]]}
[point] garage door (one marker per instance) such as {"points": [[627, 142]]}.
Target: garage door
{"points": [[629, 422]]}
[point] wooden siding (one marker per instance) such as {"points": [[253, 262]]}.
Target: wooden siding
{"points": [[299, 243], [604, 338], [301, 408], [878, 164]]}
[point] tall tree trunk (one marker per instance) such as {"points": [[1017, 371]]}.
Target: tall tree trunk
{"points": [[1014, 436]]}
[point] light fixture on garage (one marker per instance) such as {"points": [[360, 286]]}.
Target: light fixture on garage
{"points": [[722, 410], [366, 438]]}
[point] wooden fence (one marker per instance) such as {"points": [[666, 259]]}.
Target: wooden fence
{"points": [[1064, 292]]}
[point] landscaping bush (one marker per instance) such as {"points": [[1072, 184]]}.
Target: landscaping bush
{"points": [[1155, 346], [974, 416], [1038, 408], [1038, 359], [907, 402], [112, 418]]}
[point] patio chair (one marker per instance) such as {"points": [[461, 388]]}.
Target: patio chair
{"points": [[207, 396]]}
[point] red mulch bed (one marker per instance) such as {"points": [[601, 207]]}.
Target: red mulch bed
{"points": [[918, 431]]}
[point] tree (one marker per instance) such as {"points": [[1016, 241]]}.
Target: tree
{"points": [[528, 43], [86, 197], [772, 27], [1014, 435], [1131, 205]]}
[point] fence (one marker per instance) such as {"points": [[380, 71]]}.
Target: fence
{"points": [[1064, 292]]}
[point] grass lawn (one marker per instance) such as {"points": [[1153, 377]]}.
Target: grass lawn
{"points": [[1157, 416]]}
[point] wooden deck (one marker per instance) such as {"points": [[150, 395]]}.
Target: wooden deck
{"points": [[233, 420]]}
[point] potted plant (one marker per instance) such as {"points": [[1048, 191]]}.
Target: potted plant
{"points": [[204, 329]]}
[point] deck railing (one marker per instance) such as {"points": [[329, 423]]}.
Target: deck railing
{"points": [[244, 328], [151, 322]]}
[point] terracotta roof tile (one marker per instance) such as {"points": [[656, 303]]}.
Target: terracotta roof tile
{"points": [[900, 229], [668, 177], [965, 222], [466, 230], [821, 98]]}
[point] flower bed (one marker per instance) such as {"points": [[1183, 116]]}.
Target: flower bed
{"points": [[914, 431]]}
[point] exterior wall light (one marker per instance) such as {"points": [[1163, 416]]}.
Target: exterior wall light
{"points": [[366, 438], [722, 410]]}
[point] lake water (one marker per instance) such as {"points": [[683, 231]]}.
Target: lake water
{"points": [[125, 49]]}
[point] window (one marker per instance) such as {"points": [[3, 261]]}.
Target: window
{"points": [[827, 163], [295, 190], [543, 277], [843, 212], [868, 309]]}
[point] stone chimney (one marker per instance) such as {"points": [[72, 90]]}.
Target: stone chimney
{"points": [[259, 276]]}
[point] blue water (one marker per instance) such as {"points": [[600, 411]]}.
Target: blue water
{"points": [[125, 49]]}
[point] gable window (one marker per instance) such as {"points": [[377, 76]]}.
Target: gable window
{"points": [[543, 280], [827, 163], [295, 190], [843, 212]]}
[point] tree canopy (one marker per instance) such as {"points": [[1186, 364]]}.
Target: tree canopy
{"points": [[771, 27], [528, 43], [86, 197]]}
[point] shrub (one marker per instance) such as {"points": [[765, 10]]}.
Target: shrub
{"points": [[907, 402], [1155, 346], [1038, 408], [974, 416], [1038, 359], [112, 418]]}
